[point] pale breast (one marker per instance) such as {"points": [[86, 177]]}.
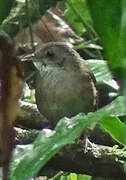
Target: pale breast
{"points": [[60, 93]]}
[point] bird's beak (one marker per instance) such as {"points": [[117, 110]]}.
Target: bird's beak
{"points": [[29, 57]]}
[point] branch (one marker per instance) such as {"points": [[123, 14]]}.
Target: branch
{"points": [[97, 160], [29, 117]]}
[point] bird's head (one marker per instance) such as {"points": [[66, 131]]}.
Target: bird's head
{"points": [[53, 54]]}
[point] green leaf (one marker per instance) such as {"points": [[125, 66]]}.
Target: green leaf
{"points": [[5, 7], [110, 24], [106, 85], [110, 121], [107, 24], [28, 161], [72, 176], [47, 144], [115, 108], [83, 177], [77, 15], [63, 178], [115, 127], [100, 70]]}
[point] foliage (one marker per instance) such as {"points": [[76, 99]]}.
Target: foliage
{"points": [[5, 7], [109, 24], [73, 176], [78, 16], [20, 16], [67, 130]]}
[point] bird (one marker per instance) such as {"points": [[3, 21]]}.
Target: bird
{"points": [[65, 86]]}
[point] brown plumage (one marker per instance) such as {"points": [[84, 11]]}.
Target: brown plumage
{"points": [[64, 86]]}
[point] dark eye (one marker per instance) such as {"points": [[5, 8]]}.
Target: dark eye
{"points": [[50, 54]]}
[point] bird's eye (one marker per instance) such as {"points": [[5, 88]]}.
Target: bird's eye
{"points": [[50, 54]]}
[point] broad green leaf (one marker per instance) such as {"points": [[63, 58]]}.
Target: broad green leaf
{"points": [[28, 161], [77, 15], [109, 21], [111, 123], [100, 70], [47, 144], [105, 82], [63, 178], [115, 108], [5, 7], [72, 176], [83, 177], [115, 127]]}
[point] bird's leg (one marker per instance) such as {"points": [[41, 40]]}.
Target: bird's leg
{"points": [[87, 144]]}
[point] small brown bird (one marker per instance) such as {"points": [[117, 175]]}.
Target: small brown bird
{"points": [[65, 86]]}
